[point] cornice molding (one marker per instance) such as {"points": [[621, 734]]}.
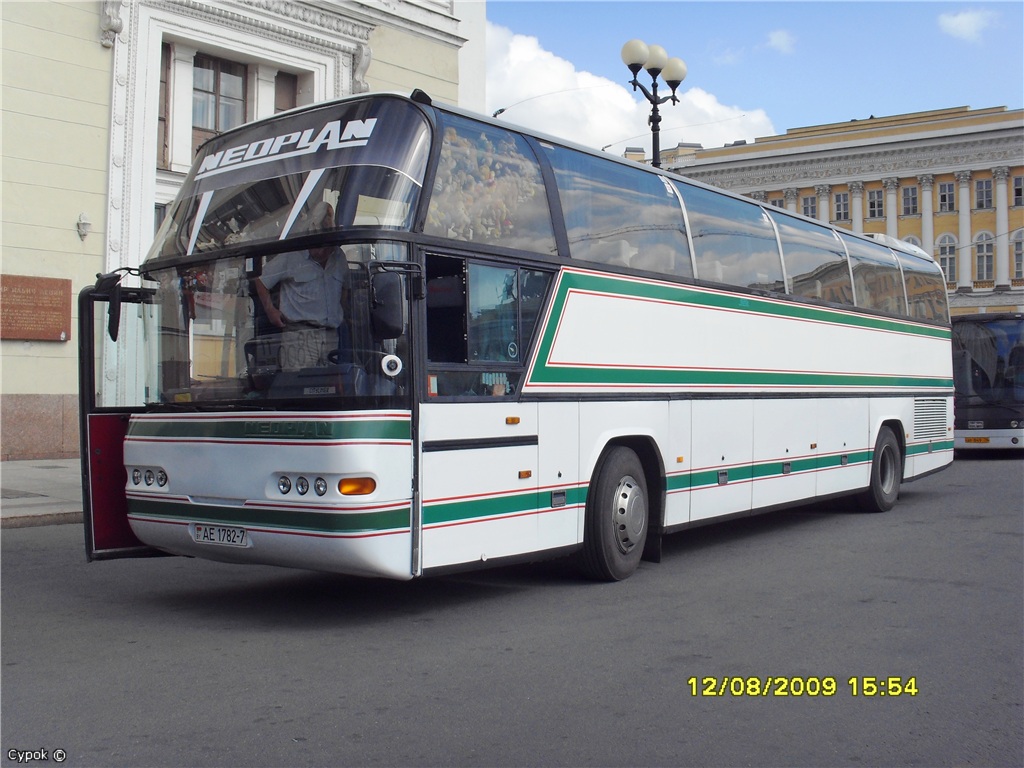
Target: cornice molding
{"points": [[238, 15], [844, 166]]}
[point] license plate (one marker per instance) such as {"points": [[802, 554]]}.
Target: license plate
{"points": [[219, 534], [975, 439]]}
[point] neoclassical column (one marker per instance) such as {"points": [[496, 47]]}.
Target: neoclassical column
{"points": [[792, 198], [965, 251], [857, 205], [1002, 270], [892, 211], [180, 123], [927, 182], [823, 191], [760, 196]]}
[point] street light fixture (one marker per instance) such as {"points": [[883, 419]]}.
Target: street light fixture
{"points": [[637, 55]]}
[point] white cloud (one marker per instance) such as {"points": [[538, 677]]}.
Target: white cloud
{"points": [[545, 93], [781, 41], [966, 25]]}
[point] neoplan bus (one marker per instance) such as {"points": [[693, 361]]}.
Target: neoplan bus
{"points": [[544, 350], [988, 372]]}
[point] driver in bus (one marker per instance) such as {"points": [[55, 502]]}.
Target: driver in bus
{"points": [[310, 297]]}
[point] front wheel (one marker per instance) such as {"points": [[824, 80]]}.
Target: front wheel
{"points": [[616, 523], [886, 474]]}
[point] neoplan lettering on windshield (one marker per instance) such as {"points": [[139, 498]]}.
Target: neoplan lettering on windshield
{"points": [[355, 133]]}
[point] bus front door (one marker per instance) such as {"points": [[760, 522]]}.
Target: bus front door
{"points": [[113, 377]]}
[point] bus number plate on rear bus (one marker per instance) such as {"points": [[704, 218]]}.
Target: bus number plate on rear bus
{"points": [[975, 439], [219, 534]]}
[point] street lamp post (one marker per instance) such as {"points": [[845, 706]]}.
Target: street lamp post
{"points": [[637, 55]]}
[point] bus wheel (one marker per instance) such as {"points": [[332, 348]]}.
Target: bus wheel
{"points": [[616, 517], [886, 474]]}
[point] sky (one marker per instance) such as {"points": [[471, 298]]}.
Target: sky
{"points": [[754, 68]]}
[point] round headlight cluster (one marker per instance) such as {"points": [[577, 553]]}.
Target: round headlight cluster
{"points": [[301, 485], [148, 476]]}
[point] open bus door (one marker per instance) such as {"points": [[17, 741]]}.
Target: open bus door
{"points": [[112, 371]]}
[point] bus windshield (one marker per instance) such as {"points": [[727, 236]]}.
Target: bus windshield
{"points": [[216, 343], [259, 184], [988, 356]]}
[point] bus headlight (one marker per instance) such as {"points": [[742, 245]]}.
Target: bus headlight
{"points": [[284, 485], [320, 486], [302, 486]]}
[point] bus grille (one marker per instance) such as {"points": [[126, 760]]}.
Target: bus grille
{"points": [[929, 419]]}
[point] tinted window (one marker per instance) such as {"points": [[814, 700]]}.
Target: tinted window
{"points": [[816, 265], [488, 189], [876, 277], [620, 215], [733, 240], [926, 289]]}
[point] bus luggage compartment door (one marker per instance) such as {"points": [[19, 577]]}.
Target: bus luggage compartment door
{"points": [[478, 476]]}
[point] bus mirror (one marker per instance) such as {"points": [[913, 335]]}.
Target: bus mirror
{"points": [[386, 313], [110, 284]]}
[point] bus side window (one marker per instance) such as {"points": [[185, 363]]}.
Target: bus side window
{"points": [[446, 310], [480, 320]]}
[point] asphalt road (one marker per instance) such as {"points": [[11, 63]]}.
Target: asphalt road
{"points": [[174, 662]]}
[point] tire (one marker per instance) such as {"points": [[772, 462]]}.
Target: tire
{"points": [[616, 523], [886, 474]]}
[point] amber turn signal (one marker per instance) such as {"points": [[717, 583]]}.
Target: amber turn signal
{"points": [[356, 486]]}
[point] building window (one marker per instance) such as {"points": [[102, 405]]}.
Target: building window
{"points": [[1018, 254], [778, 202], [163, 151], [286, 91], [218, 97], [910, 201], [876, 203], [809, 206], [947, 197], [983, 193], [947, 257], [842, 201], [983, 246], [1018, 190]]}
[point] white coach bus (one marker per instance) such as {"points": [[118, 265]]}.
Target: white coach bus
{"points": [[527, 349]]}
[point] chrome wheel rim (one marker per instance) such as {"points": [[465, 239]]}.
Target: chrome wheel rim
{"points": [[629, 514]]}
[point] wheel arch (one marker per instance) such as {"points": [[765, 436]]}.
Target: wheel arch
{"points": [[646, 449]]}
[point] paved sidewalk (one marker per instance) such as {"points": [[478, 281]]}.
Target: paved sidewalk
{"points": [[40, 492]]}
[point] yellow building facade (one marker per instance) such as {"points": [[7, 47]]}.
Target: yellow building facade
{"points": [[103, 105], [950, 181]]}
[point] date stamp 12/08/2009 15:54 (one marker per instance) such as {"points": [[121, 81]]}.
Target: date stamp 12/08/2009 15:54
{"points": [[754, 686]]}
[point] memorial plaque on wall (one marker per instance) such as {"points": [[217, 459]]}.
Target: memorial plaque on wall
{"points": [[35, 308]]}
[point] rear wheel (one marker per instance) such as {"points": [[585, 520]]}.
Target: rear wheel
{"points": [[616, 517], [886, 474]]}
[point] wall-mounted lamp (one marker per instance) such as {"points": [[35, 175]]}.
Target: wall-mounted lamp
{"points": [[84, 225]]}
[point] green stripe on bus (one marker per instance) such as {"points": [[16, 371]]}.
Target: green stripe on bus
{"points": [[708, 478], [544, 373], [498, 506], [291, 519], [665, 377], [266, 429], [926, 448]]}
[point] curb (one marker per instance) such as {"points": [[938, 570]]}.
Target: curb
{"points": [[32, 521]]}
